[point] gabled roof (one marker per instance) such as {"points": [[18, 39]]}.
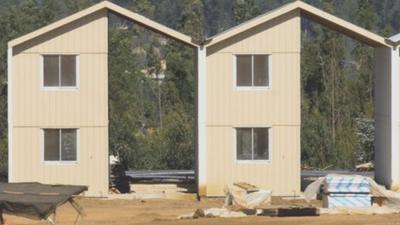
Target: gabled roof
{"points": [[310, 12], [157, 27]]}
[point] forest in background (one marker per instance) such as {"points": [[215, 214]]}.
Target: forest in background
{"points": [[152, 108]]}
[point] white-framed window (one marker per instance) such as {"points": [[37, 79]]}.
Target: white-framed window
{"points": [[253, 144], [60, 145], [60, 72], [252, 71]]}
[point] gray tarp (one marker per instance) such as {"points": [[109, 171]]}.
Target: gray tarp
{"points": [[35, 200]]}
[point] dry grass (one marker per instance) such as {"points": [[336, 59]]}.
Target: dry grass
{"points": [[165, 212]]}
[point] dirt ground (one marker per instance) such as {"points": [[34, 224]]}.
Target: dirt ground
{"points": [[165, 212]]}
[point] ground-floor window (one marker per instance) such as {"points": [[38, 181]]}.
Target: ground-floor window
{"points": [[60, 145], [253, 144]]}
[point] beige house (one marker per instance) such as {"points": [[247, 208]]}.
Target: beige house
{"points": [[58, 95], [248, 101]]}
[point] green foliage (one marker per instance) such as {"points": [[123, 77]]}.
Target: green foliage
{"points": [[244, 10], [179, 138], [337, 97], [151, 120], [365, 135], [143, 7], [192, 19], [77, 5]]}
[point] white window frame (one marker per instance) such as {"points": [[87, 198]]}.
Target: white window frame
{"points": [[60, 162], [60, 88], [252, 161], [252, 88]]}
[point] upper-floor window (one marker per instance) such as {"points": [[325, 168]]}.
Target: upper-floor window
{"points": [[253, 71], [60, 71], [253, 144], [60, 145]]}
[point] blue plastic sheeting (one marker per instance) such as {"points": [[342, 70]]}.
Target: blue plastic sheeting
{"points": [[347, 201], [346, 191], [346, 184]]}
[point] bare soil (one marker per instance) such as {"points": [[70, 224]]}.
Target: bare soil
{"points": [[165, 212]]}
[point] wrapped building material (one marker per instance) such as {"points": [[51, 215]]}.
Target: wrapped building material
{"points": [[391, 198], [346, 191], [339, 200], [346, 184], [239, 198], [374, 210]]}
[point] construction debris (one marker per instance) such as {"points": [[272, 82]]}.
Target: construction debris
{"points": [[247, 187], [388, 198], [369, 166], [212, 213], [388, 201], [240, 198], [290, 211], [119, 182]]}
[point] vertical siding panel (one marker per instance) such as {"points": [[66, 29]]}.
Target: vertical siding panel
{"points": [[18, 92], [100, 90], [15, 165], [104, 182], [28, 154], [226, 59], [27, 96]]}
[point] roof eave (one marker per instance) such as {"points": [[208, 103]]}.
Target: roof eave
{"points": [[56, 24], [250, 24], [309, 11], [105, 5], [341, 25], [151, 24]]}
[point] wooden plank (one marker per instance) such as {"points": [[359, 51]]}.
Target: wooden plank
{"points": [[246, 186], [291, 211]]}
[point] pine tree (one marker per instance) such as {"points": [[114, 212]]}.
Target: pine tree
{"points": [[192, 20], [244, 10], [218, 20], [363, 97], [337, 104], [328, 135], [77, 5], [143, 7]]}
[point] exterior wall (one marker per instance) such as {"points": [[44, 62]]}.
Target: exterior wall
{"points": [[395, 127], [382, 116], [387, 157], [86, 108], [278, 107]]}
